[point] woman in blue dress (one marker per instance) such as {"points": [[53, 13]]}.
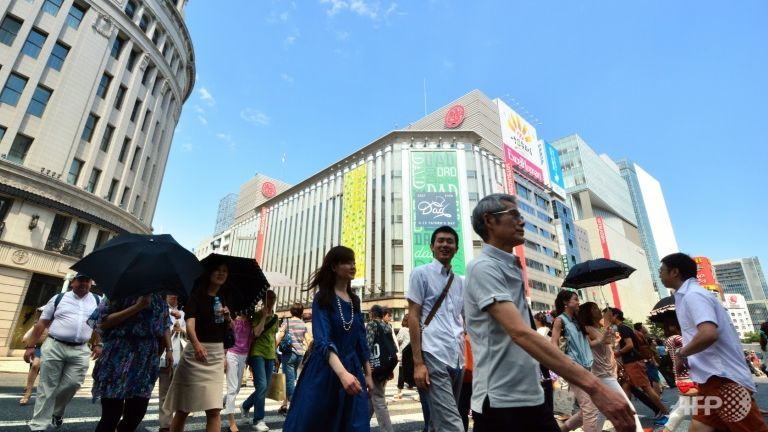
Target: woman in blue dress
{"points": [[332, 394]]}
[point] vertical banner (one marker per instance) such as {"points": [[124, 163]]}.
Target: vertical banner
{"points": [[509, 175], [353, 221], [261, 235], [435, 202], [607, 255]]}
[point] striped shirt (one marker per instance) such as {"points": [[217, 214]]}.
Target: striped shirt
{"points": [[298, 332]]}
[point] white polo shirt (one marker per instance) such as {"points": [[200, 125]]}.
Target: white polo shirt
{"points": [[694, 305], [70, 322]]}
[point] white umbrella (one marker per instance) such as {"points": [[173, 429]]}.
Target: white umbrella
{"points": [[277, 279]]}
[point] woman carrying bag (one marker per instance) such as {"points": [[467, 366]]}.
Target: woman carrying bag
{"points": [[292, 346]]}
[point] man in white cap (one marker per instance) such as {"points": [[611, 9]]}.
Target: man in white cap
{"points": [[65, 352]]}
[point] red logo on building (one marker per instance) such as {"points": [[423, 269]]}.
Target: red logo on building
{"points": [[454, 116], [268, 189]]}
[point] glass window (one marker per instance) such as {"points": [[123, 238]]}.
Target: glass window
{"points": [[117, 47], [120, 97], [522, 191], [90, 125], [39, 101], [101, 238], [52, 6], [58, 55], [103, 85], [75, 16], [112, 189], [132, 57], [135, 159], [74, 171], [130, 8], [19, 148], [124, 150], [147, 74], [157, 35], [124, 198], [34, 43], [136, 108], [93, 180], [107, 138], [144, 123], [2, 133], [144, 21], [9, 28], [12, 90]]}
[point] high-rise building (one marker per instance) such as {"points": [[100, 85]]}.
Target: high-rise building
{"points": [[653, 222], [90, 95], [602, 206], [740, 316], [742, 276], [226, 213]]}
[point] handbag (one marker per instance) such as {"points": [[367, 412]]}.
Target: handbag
{"points": [[276, 388], [286, 343]]}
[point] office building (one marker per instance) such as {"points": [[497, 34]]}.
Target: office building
{"points": [[742, 276], [90, 95], [737, 309], [225, 216]]}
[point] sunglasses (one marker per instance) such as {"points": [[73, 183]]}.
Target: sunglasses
{"points": [[511, 211]]}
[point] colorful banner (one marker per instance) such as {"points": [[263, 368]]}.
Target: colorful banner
{"points": [[353, 216], [524, 166], [261, 235], [555, 169], [509, 175], [607, 255], [521, 145], [435, 202]]}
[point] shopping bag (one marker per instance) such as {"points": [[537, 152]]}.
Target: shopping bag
{"points": [[276, 388]]}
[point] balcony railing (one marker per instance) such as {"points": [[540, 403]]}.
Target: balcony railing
{"points": [[65, 247]]}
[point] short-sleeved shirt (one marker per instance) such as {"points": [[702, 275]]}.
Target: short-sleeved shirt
{"points": [[70, 321], [444, 336], [694, 305], [200, 307], [298, 332], [503, 372], [264, 345], [627, 333]]}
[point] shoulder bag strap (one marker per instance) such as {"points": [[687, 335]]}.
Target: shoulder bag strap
{"points": [[439, 301]]}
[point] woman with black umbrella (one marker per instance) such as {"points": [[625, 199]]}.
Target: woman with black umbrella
{"points": [[197, 382]]}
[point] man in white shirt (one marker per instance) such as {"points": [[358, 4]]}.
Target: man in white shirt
{"points": [[178, 333], [66, 354], [438, 351], [713, 351]]}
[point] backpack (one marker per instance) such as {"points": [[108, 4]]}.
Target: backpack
{"points": [[383, 354], [642, 346], [59, 296]]}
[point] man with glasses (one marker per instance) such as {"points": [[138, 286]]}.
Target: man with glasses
{"points": [[506, 394], [435, 304]]}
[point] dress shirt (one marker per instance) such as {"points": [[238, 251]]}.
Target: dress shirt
{"points": [[70, 318]]}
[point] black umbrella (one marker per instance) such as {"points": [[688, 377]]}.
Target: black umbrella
{"points": [[137, 264], [246, 284], [596, 272], [663, 309]]}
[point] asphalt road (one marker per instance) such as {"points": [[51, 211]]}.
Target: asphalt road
{"points": [[82, 415]]}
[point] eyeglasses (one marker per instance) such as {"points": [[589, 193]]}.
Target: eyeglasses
{"points": [[512, 212]]}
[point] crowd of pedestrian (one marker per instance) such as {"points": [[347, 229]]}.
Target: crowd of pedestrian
{"points": [[471, 346]]}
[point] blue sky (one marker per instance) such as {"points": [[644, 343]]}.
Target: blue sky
{"points": [[678, 87]]}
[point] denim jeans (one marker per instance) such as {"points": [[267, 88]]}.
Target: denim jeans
{"points": [[291, 362], [262, 373]]}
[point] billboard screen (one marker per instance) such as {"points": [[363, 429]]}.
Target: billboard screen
{"points": [[704, 271], [521, 146], [435, 202], [554, 169], [353, 216]]}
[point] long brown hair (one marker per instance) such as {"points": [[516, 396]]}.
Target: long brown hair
{"points": [[324, 278], [585, 316]]}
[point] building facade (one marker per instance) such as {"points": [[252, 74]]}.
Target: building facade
{"points": [[90, 95], [225, 216], [742, 276], [653, 221], [740, 316]]}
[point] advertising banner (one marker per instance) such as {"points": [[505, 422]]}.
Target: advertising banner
{"points": [[607, 255], [554, 169], [521, 146], [353, 215], [261, 236], [509, 176], [435, 202]]}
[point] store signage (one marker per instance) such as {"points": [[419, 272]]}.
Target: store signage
{"points": [[454, 117], [268, 189]]}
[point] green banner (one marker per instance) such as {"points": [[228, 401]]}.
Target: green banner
{"points": [[434, 202]]}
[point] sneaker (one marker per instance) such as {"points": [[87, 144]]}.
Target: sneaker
{"points": [[660, 419], [244, 412], [261, 426], [57, 421]]}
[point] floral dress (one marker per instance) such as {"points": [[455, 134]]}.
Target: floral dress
{"points": [[129, 364]]}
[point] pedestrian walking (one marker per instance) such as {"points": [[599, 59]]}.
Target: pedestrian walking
{"points": [[567, 326], [134, 331], [506, 394], [406, 358], [332, 392], [262, 360], [65, 354], [546, 377], [34, 364], [178, 328], [376, 330], [196, 384], [294, 329], [234, 366], [435, 306], [466, 384], [687, 388], [713, 350]]}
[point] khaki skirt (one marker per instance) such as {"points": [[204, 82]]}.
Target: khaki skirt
{"points": [[197, 386]]}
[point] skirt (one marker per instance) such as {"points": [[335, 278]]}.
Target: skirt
{"points": [[197, 386]]}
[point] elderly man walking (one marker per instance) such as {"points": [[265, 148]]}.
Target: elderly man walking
{"points": [[435, 304], [65, 352], [506, 394]]}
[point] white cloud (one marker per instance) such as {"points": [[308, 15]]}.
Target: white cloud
{"points": [[187, 147], [206, 96], [290, 40], [363, 8], [392, 8], [203, 121], [198, 109], [256, 117], [342, 35], [287, 78], [226, 138], [336, 6]]}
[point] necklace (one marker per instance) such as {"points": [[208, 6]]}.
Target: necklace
{"points": [[347, 325]]}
